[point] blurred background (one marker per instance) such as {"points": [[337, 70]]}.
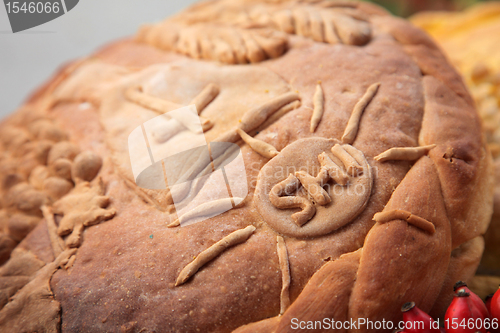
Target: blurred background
{"points": [[28, 58], [406, 8]]}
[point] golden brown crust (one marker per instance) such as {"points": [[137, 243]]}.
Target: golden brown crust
{"points": [[463, 264], [405, 248], [470, 39], [334, 278], [425, 53], [460, 158]]}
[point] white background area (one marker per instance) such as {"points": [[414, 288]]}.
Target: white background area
{"points": [[28, 58]]}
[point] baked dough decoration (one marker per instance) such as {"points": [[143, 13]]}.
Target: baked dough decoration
{"points": [[41, 170], [33, 308], [345, 163], [231, 33], [343, 170], [136, 98], [83, 207]]}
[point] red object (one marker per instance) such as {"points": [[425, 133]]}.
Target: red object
{"points": [[462, 315], [414, 319], [495, 309], [487, 302], [475, 300]]}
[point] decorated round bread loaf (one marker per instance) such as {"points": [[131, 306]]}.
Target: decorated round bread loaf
{"points": [[243, 166]]}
